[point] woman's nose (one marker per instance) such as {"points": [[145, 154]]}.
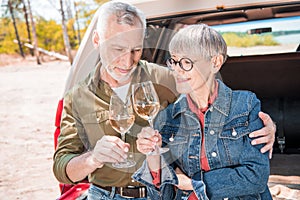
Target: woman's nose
{"points": [[178, 69]]}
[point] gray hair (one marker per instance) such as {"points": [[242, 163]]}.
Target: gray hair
{"points": [[125, 13], [198, 40]]}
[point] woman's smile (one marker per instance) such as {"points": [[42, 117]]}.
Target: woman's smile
{"points": [[182, 79]]}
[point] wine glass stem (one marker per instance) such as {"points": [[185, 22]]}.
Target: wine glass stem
{"points": [[123, 136], [150, 122], [156, 147]]}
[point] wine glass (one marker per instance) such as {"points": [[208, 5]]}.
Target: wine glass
{"points": [[121, 118], [146, 105]]}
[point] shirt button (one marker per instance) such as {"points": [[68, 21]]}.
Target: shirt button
{"points": [[212, 132], [214, 154]]}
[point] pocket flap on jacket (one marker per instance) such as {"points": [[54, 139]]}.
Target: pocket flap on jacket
{"points": [[96, 117], [171, 138], [235, 130]]}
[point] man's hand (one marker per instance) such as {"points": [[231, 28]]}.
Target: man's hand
{"points": [[265, 135], [184, 182], [110, 149]]}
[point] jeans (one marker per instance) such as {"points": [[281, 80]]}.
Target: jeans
{"points": [[96, 193]]}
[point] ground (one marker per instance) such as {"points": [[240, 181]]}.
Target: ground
{"points": [[29, 96], [28, 100]]}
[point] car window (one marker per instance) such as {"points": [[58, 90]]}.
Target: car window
{"points": [[272, 36]]}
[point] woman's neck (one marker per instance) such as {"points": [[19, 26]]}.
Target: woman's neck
{"points": [[201, 95]]}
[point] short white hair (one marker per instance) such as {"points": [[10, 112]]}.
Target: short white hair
{"points": [[125, 13], [198, 40]]}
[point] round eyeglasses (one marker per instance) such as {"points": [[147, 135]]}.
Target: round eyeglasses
{"points": [[184, 63]]}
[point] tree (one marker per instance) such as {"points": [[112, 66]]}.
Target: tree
{"points": [[65, 34], [27, 25], [77, 23], [35, 46], [48, 33], [11, 10]]}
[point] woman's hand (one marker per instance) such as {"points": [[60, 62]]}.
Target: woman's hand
{"points": [[184, 182], [146, 143], [147, 139]]}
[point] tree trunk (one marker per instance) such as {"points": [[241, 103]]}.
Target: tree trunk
{"points": [[65, 34], [36, 52], [77, 23], [70, 16], [15, 27], [27, 26]]}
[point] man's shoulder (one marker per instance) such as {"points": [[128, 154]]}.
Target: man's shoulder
{"points": [[80, 86]]}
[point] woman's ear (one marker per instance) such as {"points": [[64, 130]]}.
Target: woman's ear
{"points": [[217, 62], [96, 39]]}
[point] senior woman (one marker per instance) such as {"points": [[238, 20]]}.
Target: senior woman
{"points": [[206, 130]]}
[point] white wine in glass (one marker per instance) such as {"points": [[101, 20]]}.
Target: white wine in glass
{"points": [[121, 118], [146, 105]]}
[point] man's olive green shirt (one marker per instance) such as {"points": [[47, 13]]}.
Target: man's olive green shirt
{"points": [[85, 121]]}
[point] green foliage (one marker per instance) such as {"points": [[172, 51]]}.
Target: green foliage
{"points": [[50, 35], [49, 32], [237, 39], [7, 37]]}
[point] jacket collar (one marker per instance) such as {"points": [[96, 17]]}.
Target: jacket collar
{"points": [[222, 102]]}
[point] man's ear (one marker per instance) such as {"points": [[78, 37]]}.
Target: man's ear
{"points": [[217, 62], [96, 39]]}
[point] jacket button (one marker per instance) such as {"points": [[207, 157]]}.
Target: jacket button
{"points": [[234, 133], [214, 154], [212, 132], [193, 157]]}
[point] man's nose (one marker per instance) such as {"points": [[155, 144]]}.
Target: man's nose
{"points": [[128, 59]]}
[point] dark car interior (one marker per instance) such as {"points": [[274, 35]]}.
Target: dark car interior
{"points": [[273, 77]]}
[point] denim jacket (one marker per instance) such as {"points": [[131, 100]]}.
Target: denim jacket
{"points": [[237, 169]]}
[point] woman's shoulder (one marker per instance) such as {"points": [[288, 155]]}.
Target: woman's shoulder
{"points": [[243, 96], [172, 109]]}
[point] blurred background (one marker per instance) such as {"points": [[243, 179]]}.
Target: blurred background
{"points": [[53, 27]]}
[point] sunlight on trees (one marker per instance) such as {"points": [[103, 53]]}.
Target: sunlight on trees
{"points": [[237, 39], [49, 32]]}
